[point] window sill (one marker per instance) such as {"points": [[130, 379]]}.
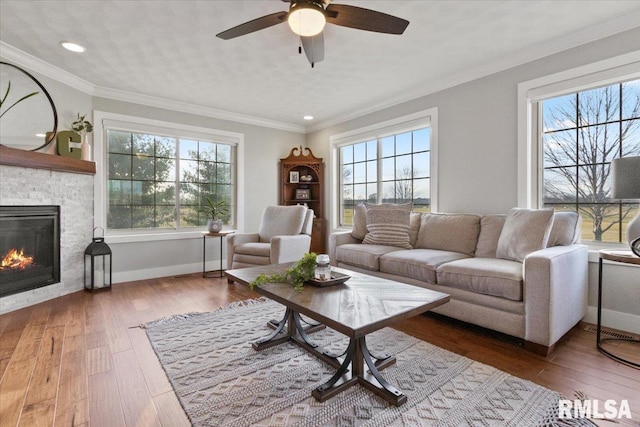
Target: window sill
{"points": [[153, 237]]}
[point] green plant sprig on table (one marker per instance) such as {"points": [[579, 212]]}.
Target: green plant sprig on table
{"points": [[296, 274]]}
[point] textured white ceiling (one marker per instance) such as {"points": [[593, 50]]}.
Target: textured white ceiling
{"points": [[168, 49]]}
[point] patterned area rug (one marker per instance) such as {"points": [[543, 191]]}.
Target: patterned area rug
{"points": [[221, 381]]}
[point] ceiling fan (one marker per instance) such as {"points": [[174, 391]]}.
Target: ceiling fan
{"points": [[307, 19]]}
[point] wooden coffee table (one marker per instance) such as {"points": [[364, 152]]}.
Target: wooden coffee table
{"points": [[362, 305]]}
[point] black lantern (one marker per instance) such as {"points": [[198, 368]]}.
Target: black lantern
{"points": [[97, 264]]}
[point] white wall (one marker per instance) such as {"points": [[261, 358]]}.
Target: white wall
{"points": [[477, 144]]}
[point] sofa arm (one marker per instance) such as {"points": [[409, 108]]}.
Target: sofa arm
{"points": [[289, 248], [339, 238], [555, 292], [238, 239]]}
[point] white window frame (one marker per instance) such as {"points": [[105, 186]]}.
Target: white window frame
{"points": [[602, 73], [421, 119], [103, 120]]}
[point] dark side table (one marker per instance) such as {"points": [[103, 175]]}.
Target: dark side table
{"points": [[205, 236], [625, 257]]}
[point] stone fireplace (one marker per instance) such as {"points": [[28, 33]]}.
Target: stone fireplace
{"points": [[29, 248], [35, 185]]}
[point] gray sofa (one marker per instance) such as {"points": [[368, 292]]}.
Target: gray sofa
{"points": [[501, 271]]}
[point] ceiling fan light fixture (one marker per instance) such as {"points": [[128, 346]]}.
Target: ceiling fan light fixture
{"points": [[306, 18]]}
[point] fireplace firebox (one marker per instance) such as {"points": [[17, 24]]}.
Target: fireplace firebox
{"points": [[29, 247]]}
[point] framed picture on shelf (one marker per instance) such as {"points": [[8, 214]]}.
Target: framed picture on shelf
{"points": [[294, 177], [303, 194]]}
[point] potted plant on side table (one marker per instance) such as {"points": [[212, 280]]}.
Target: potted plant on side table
{"points": [[217, 212]]}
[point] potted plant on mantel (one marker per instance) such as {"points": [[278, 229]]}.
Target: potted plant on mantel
{"points": [[217, 211], [83, 127]]}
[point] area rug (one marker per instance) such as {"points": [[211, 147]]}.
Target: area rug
{"points": [[221, 380]]}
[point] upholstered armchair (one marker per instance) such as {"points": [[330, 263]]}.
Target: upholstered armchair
{"points": [[284, 236]]}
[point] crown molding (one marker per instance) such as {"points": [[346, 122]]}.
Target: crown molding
{"points": [[183, 107], [29, 61], [542, 50], [38, 65]]}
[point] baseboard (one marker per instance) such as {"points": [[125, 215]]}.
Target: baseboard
{"points": [[614, 319], [167, 271]]}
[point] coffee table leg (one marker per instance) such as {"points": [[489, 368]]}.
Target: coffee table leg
{"points": [[272, 339], [382, 388], [356, 357], [294, 331]]}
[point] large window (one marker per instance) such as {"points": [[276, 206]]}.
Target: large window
{"points": [[160, 181], [390, 169], [582, 133]]}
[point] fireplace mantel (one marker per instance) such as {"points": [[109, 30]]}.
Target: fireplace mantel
{"points": [[35, 160]]}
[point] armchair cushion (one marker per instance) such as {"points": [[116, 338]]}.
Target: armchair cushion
{"points": [[255, 249]]}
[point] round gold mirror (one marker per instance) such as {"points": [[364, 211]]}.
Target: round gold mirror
{"points": [[28, 117]]}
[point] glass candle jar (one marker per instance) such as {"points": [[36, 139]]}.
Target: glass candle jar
{"points": [[323, 269]]}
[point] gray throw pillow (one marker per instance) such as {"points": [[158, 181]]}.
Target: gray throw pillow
{"points": [[524, 231], [388, 225], [565, 230]]}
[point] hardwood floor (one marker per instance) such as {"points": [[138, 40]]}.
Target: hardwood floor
{"points": [[83, 360]]}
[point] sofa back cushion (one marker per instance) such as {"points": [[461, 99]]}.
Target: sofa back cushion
{"points": [[449, 232], [524, 231], [388, 225], [565, 230], [414, 227], [490, 229]]}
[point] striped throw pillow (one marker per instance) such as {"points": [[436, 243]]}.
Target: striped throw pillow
{"points": [[388, 225]]}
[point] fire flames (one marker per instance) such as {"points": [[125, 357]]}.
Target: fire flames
{"points": [[16, 259]]}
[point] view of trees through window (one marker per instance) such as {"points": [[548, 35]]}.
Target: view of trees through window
{"points": [[583, 132], [392, 169], [160, 182]]}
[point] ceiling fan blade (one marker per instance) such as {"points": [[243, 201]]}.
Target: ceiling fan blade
{"points": [[254, 25], [313, 48], [365, 19]]}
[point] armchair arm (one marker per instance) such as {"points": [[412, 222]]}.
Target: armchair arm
{"points": [[289, 248], [339, 238], [238, 239], [555, 292]]}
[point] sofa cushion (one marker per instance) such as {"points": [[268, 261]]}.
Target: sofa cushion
{"points": [[490, 229], [490, 276], [281, 220], [449, 232], [418, 264], [388, 225], [364, 256], [359, 221], [524, 231], [565, 230]]}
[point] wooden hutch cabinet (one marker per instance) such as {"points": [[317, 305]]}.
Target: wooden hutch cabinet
{"points": [[302, 182]]}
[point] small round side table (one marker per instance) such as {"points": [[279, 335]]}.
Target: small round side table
{"points": [[626, 257]]}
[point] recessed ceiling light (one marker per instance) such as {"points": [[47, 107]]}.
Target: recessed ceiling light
{"points": [[308, 117], [41, 135], [73, 47]]}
